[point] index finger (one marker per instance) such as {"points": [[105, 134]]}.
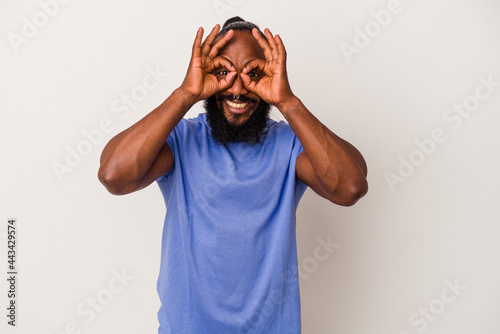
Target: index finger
{"points": [[263, 43], [205, 47], [281, 49], [197, 43], [214, 50], [272, 43]]}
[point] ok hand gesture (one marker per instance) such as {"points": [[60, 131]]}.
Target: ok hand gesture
{"points": [[273, 87], [200, 81]]}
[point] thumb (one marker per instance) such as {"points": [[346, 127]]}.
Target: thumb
{"points": [[248, 83], [227, 81]]}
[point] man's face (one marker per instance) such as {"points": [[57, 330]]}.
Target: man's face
{"points": [[236, 102], [236, 114]]}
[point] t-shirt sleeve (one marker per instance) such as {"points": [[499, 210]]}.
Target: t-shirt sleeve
{"points": [[296, 150], [173, 142], [300, 187]]}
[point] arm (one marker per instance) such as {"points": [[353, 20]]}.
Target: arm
{"points": [[134, 158], [331, 166]]}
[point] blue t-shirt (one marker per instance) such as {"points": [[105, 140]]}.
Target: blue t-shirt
{"points": [[229, 256]]}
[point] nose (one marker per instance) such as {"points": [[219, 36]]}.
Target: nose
{"points": [[237, 88]]}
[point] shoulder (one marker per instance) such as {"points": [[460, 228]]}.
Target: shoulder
{"points": [[280, 131], [188, 131], [276, 127], [194, 122], [191, 125]]}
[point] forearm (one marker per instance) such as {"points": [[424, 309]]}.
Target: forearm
{"points": [[130, 154], [338, 165], [137, 156]]}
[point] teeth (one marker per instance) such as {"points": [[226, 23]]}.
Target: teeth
{"points": [[237, 105]]}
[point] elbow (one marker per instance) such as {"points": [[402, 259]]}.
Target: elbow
{"points": [[111, 181], [351, 193], [356, 193]]}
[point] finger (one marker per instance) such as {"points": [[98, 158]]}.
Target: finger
{"points": [[197, 43], [227, 81], [205, 48], [222, 62], [248, 82], [272, 43], [281, 49], [258, 64], [263, 43], [214, 50]]}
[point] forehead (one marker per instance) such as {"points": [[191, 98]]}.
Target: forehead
{"points": [[241, 49]]}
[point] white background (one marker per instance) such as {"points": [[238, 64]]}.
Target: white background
{"points": [[396, 247]]}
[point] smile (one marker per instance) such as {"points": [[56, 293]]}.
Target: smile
{"points": [[238, 108], [236, 105]]}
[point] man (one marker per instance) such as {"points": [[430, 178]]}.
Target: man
{"points": [[232, 179]]}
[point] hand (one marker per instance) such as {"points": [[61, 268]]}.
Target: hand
{"points": [[201, 82], [273, 86]]}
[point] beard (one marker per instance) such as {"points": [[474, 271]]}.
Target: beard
{"points": [[223, 132]]}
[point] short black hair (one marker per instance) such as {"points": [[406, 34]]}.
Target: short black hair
{"points": [[237, 23]]}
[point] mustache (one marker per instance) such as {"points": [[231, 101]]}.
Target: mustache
{"points": [[236, 98], [224, 132]]}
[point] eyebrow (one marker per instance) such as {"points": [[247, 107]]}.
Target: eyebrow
{"points": [[243, 64]]}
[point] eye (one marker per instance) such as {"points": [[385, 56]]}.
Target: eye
{"points": [[253, 74], [222, 72]]}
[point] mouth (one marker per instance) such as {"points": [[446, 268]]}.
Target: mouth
{"points": [[237, 107]]}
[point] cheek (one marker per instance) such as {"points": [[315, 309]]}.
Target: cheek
{"points": [[257, 100], [218, 100]]}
